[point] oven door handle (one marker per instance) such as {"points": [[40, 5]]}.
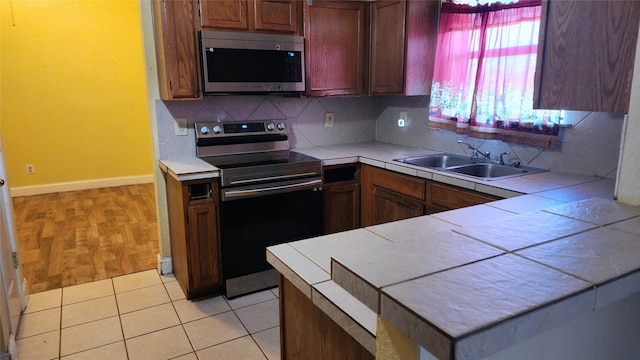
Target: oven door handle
{"points": [[271, 190], [272, 178]]}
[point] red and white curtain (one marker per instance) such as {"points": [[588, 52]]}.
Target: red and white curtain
{"points": [[485, 66]]}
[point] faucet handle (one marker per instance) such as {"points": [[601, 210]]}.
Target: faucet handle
{"points": [[501, 157]]}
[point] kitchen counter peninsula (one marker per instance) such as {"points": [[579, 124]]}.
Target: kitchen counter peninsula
{"points": [[559, 282]]}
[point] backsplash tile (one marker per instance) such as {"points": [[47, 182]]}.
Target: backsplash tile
{"points": [[355, 119], [589, 147]]}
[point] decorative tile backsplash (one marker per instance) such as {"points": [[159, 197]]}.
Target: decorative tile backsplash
{"points": [[354, 120], [589, 147]]}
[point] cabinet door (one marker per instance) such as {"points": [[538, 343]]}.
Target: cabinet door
{"points": [[442, 197], [389, 206], [586, 55], [204, 246], [334, 36], [276, 15], [389, 196], [176, 50], [225, 14], [387, 47], [421, 40], [306, 332], [404, 35], [341, 206]]}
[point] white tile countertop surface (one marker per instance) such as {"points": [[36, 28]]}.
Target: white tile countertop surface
{"points": [[472, 281], [550, 185], [468, 291]]}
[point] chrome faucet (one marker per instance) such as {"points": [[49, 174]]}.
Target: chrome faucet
{"points": [[501, 157], [476, 152]]}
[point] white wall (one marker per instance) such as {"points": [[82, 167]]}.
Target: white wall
{"points": [[628, 185]]}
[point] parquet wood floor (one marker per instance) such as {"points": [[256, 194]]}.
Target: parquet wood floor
{"points": [[74, 237]]}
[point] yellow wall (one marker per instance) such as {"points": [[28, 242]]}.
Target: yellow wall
{"points": [[73, 91]]}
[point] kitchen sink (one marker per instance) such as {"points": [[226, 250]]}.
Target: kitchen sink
{"points": [[486, 170], [438, 161], [464, 165]]}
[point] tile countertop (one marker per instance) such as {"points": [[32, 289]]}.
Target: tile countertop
{"points": [[468, 290], [473, 281], [562, 187]]}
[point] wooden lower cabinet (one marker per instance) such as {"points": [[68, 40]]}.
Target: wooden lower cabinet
{"points": [[388, 206], [341, 198], [388, 196], [442, 197], [195, 235], [308, 333]]}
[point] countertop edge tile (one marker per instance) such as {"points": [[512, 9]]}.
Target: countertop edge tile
{"points": [[451, 180], [509, 332], [497, 191], [340, 161], [279, 256], [372, 162], [619, 289], [350, 314], [435, 341], [401, 169], [359, 288]]}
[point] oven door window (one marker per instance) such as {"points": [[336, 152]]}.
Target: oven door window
{"points": [[250, 225]]}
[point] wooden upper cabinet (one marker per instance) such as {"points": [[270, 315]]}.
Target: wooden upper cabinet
{"points": [[225, 14], [273, 16], [387, 46], [404, 36], [384, 47], [335, 47], [586, 55], [176, 50], [277, 15]]}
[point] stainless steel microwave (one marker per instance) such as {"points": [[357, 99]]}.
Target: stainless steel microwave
{"points": [[251, 63]]}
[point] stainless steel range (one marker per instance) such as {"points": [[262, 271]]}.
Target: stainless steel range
{"points": [[270, 195]]}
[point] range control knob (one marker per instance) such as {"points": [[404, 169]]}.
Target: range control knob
{"points": [[281, 126], [217, 129], [271, 126], [204, 130]]}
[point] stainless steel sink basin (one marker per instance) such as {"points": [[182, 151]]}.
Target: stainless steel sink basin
{"points": [[438, 161], [464, 165], [485, 170]]}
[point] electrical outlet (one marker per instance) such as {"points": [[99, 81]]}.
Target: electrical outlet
{"points": [[181, 127], [31, 169], [402, 119], [328, 119]]}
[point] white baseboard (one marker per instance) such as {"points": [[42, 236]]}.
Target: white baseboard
{"points": [[80, 185], [164, 265]]}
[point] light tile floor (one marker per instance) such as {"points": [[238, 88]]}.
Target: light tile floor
{"points": [[146, 316]]}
